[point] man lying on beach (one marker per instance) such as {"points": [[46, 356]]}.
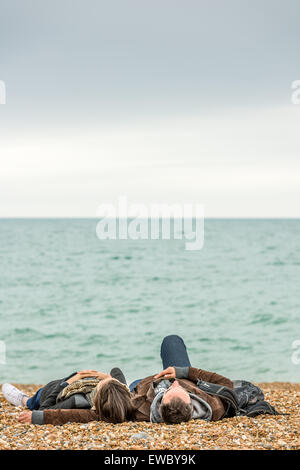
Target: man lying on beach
{"points": [[178, 393], [181, 392]]}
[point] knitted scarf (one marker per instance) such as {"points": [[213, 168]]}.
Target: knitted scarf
{"points": [[85, 386]]}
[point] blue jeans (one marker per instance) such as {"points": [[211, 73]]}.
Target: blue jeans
{"points": [[173, 353], [33, 403]]}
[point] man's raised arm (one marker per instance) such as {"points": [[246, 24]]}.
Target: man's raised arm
{"points": [[211, 377], [193, 374]]}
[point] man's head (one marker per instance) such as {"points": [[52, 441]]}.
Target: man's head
{"points": [[176, 405], [113, 401]]}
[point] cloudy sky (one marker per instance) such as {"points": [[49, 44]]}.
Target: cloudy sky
{"points": [[162, 101]]}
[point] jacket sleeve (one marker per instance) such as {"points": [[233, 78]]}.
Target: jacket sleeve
{"points": [[50, 393], [77, 400], [211, 377], [58, 417]]}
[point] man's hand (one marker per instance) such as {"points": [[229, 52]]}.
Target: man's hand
{"points": [[168, 373], [87, 373], [25, 417]]}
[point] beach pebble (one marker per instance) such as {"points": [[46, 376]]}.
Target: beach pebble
{"points": [[140, 435], [3, 444], [281, 443]]}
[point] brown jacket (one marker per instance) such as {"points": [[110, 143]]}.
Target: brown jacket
{"points": [[144, 393], [143, 396]]}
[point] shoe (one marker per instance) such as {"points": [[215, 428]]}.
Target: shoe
{"points": [[13, 394], [116, 373]]}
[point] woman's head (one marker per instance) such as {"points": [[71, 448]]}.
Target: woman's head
{"points": [[113, 401]]}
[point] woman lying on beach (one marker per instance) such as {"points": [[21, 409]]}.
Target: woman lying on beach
{"points": [[179, 393], [106, 394]]}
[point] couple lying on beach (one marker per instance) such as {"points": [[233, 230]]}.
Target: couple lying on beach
{"points": [[179, 393]]}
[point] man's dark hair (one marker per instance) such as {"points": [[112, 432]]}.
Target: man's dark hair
{"points": [[176, 411]]}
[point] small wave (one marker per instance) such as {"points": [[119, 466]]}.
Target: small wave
{"points": [[263, 370], [261, 318], [101, 355], [240, 347], [205, 340], [32, 334], [93, 339], [55, 335], [278, 263], [227, 340], [279, 320], [25, 331]]}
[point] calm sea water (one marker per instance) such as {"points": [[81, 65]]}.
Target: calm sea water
{"points": [[69, 301]]}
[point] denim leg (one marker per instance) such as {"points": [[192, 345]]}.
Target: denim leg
{"points": [[134, 384], [33, 403], [173, 352]]}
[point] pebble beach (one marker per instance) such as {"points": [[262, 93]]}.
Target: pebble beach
{"points": [[262, 432]]}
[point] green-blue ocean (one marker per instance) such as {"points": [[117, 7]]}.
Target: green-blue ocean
{"points": [[69, 301]]}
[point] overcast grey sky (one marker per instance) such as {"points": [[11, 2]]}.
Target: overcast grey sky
{"points": [[162, 101]]}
